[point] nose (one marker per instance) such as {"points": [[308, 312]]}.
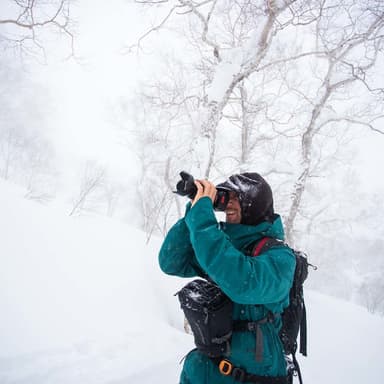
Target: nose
{"points": [[231, 201]]}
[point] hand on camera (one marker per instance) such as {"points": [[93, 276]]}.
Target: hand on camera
{"points": [[204, 188]]}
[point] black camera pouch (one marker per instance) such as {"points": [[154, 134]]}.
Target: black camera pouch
{"points": [[209, 313]]}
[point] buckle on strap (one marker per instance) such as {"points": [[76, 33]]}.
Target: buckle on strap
{"points": [[238, 374], [225, 367]]}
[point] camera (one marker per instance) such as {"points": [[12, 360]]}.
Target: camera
{"points": [[186, 187]]}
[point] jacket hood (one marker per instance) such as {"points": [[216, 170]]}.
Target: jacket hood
{"points": [[255, 197]]}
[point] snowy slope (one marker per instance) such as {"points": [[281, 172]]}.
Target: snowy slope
{"points": [[83, 301]]}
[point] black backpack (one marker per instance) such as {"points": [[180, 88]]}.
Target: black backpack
{"points": [[209, 313], [294, 319]]}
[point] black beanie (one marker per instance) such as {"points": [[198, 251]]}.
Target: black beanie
{"points": [[255, 197]]}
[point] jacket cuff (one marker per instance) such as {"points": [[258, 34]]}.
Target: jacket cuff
{"points": [[201, 215]]}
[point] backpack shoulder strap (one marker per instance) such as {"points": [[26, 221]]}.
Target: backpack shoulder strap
{"points": [[264, 244], [259, 246]]}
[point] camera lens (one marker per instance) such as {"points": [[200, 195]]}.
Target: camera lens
{"points": [[186, 186], [221, 200]]}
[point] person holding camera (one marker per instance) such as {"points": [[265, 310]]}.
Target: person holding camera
{"points": [[257, 287]]}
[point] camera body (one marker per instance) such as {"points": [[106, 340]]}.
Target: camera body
{"points": [[186, 187]]}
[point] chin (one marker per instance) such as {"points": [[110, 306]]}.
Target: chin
{"points": [[232, 220]]}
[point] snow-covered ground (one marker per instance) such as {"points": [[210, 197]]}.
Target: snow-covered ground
{"points": [[82, 300]]}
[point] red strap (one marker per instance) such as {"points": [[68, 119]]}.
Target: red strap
{"points": [[259, 247]]}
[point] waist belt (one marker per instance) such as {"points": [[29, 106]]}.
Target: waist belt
{"points": [[226, 368]]}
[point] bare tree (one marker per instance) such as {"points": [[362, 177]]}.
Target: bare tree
{"points": [[10, 145], [39, 173], [371, 292], [270, 80], [24, 25], [230, 42], [27, 156], [166, 138], [350, 52], [92, 181], [112, 193]]}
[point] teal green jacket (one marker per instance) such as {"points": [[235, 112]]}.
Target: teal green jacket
{"points": [[198, 245]]}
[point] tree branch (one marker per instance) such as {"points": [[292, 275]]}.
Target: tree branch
{"points": [[153, 29], [205, 22], [367, 124], [31, 17]]}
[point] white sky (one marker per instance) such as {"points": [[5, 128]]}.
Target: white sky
{"points": [[85, 91], [369, 160]]}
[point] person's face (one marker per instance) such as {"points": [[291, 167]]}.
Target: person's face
{"points": [[233, 209]]}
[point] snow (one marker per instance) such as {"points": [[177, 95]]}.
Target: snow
{"points": [[225, 72], [82, 300]]}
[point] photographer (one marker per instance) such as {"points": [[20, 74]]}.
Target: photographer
{"points": [[258, 287]]}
